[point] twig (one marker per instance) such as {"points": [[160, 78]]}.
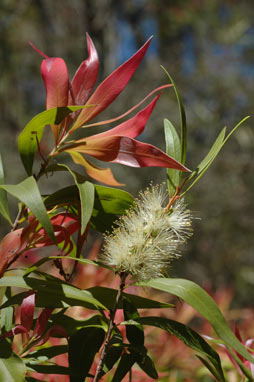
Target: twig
{"points": [[18, 217], [110, 328]]}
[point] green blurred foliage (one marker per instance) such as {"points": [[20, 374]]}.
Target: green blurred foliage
{"points": [[206, 47]]}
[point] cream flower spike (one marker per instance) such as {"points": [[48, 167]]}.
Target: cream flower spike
{"points": [[147, 238]]}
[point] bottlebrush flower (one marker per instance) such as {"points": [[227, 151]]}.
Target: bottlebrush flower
{"points": [[147, 238]]}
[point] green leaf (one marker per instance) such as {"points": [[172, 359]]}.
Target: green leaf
{"points": [[209, 367], [124, 366], [16, 299], [173, 148], [31, 379], [134, 333], [28, 193], [12, 368], [189, 337], [48, 352], [112, 200], [208, 160], [183, 120], [48, 369], [67, 195], [247, 372], [147, 365], [107, 297], [71, 325], [4, 209], [86, 194], [195, 296], [30, 137], [42, 261], [102, 222], [54, 293], [114, 352], [212, 154], [83, 346], [203, 165], [109, 202], [6, 314]]}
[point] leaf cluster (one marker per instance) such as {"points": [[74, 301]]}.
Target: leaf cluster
{"points": [[36, 304]]}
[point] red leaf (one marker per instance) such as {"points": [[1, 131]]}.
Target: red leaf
{"points": [[56, 79], [127, 151], [41, 322], [111, 87], [27, 310], [17, 330], [121, 116], [58, 331], [55, 331], [133, 127], [62, 235], [65, 219], [86, 76], [10, 247]]}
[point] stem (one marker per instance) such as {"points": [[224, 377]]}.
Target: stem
{"points": [[110, 327], [20, 213]]}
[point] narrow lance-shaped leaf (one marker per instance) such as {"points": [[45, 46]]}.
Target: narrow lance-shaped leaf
{"points": [[103, 175], [83, 346], [195, 296], [49, 369], [6, 315], [189, 337], [54, 291], [31, 135], [28, 193], [42, 321], [183, 119], [147, 365], [210, 157], [134, 333], [56, 79], [27, 310], [110, 200], [18, 329], [208, 160], [173, 148], [47, 352], [133, 126], [111, 87], [124, 366], [4, 209], [85, 76], [9, 248], [125, 150], [114, 351], [132, 109], [86, 193], [107, 297]]}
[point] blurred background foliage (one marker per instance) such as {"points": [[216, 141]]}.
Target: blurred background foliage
{"points": [[207, 47]]}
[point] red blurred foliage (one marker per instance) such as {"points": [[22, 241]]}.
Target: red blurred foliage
{"points": [[174, 360]]}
